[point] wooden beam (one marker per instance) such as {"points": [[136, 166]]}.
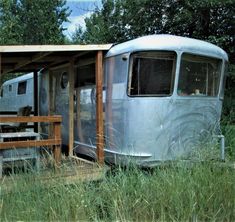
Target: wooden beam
{"points": [[0, 69], [99, 108], [35, 97], [52, 48], [50, 58], [84, 62], [30, 143], [57, 147], [71, 107], [28, 68], [57, 65], [27, 61], [15, 59], [51, 99], [62, 62], [30, 119]]}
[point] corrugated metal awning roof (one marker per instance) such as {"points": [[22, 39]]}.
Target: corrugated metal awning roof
{"points": [[28, 58]]}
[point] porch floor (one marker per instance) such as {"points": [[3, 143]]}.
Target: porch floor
{"points": [[72, 170]]}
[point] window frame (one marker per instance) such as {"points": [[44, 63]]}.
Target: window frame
{"points": [[10, 88], [1, 92], [25, 88], [173, 74], [203, 58], [64, 82]]}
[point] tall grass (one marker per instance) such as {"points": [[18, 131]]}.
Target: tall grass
{"points": [[203, 191], [228, 129], [174, 193]]}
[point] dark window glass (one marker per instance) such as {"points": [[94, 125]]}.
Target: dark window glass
{"points": [[152, 74], [22, 88], [64, 80], [10, 88], [199, 76]]}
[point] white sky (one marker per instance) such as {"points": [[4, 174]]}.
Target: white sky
{"points": [[75, 21], [80, 10]]}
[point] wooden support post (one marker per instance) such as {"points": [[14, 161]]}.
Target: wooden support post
{"points": [[35, 97], [99, 108], [57, 148], [71, 107], [51, 101], [0, 69]]}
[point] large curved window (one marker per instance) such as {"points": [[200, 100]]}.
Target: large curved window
{"points": [[199, 76], [152, 74]]}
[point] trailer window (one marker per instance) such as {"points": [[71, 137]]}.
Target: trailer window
{"points": [[64, 80], [22, 87], [199, 76], [152, 74]]}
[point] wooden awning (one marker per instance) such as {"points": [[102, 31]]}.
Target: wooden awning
{"points": [[28, 58], [32, 58]]}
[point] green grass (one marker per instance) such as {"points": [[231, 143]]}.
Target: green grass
{"points": [[229, 132], [174, 193], [228, 129]]}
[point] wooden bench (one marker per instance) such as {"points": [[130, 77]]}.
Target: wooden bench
{"points": [[22, 153]]}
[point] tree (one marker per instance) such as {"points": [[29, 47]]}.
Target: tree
{"points": [[32, 22], [210, 20], [9, 23], [121, 20], [103, 26]]}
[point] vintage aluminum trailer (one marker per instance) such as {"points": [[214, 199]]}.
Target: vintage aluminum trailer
{"points": [[162, 96], [16, 93]]}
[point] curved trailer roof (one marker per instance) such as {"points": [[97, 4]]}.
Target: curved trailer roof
{"points": [[169, 42]]}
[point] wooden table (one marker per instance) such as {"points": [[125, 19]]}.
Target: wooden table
{"points": [[19, 153]]}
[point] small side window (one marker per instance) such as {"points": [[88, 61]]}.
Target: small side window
{"points": [[64, 80], [10, 88], [1, 93], [22, 88]]}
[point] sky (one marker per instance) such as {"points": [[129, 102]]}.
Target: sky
{"points": [[80, 10]]}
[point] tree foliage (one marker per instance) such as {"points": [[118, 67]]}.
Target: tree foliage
{"points": [[121, 20], [9, 22], [32, 22]]}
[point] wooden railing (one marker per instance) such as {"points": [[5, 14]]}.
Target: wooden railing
{"points": [[54, 140]]}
